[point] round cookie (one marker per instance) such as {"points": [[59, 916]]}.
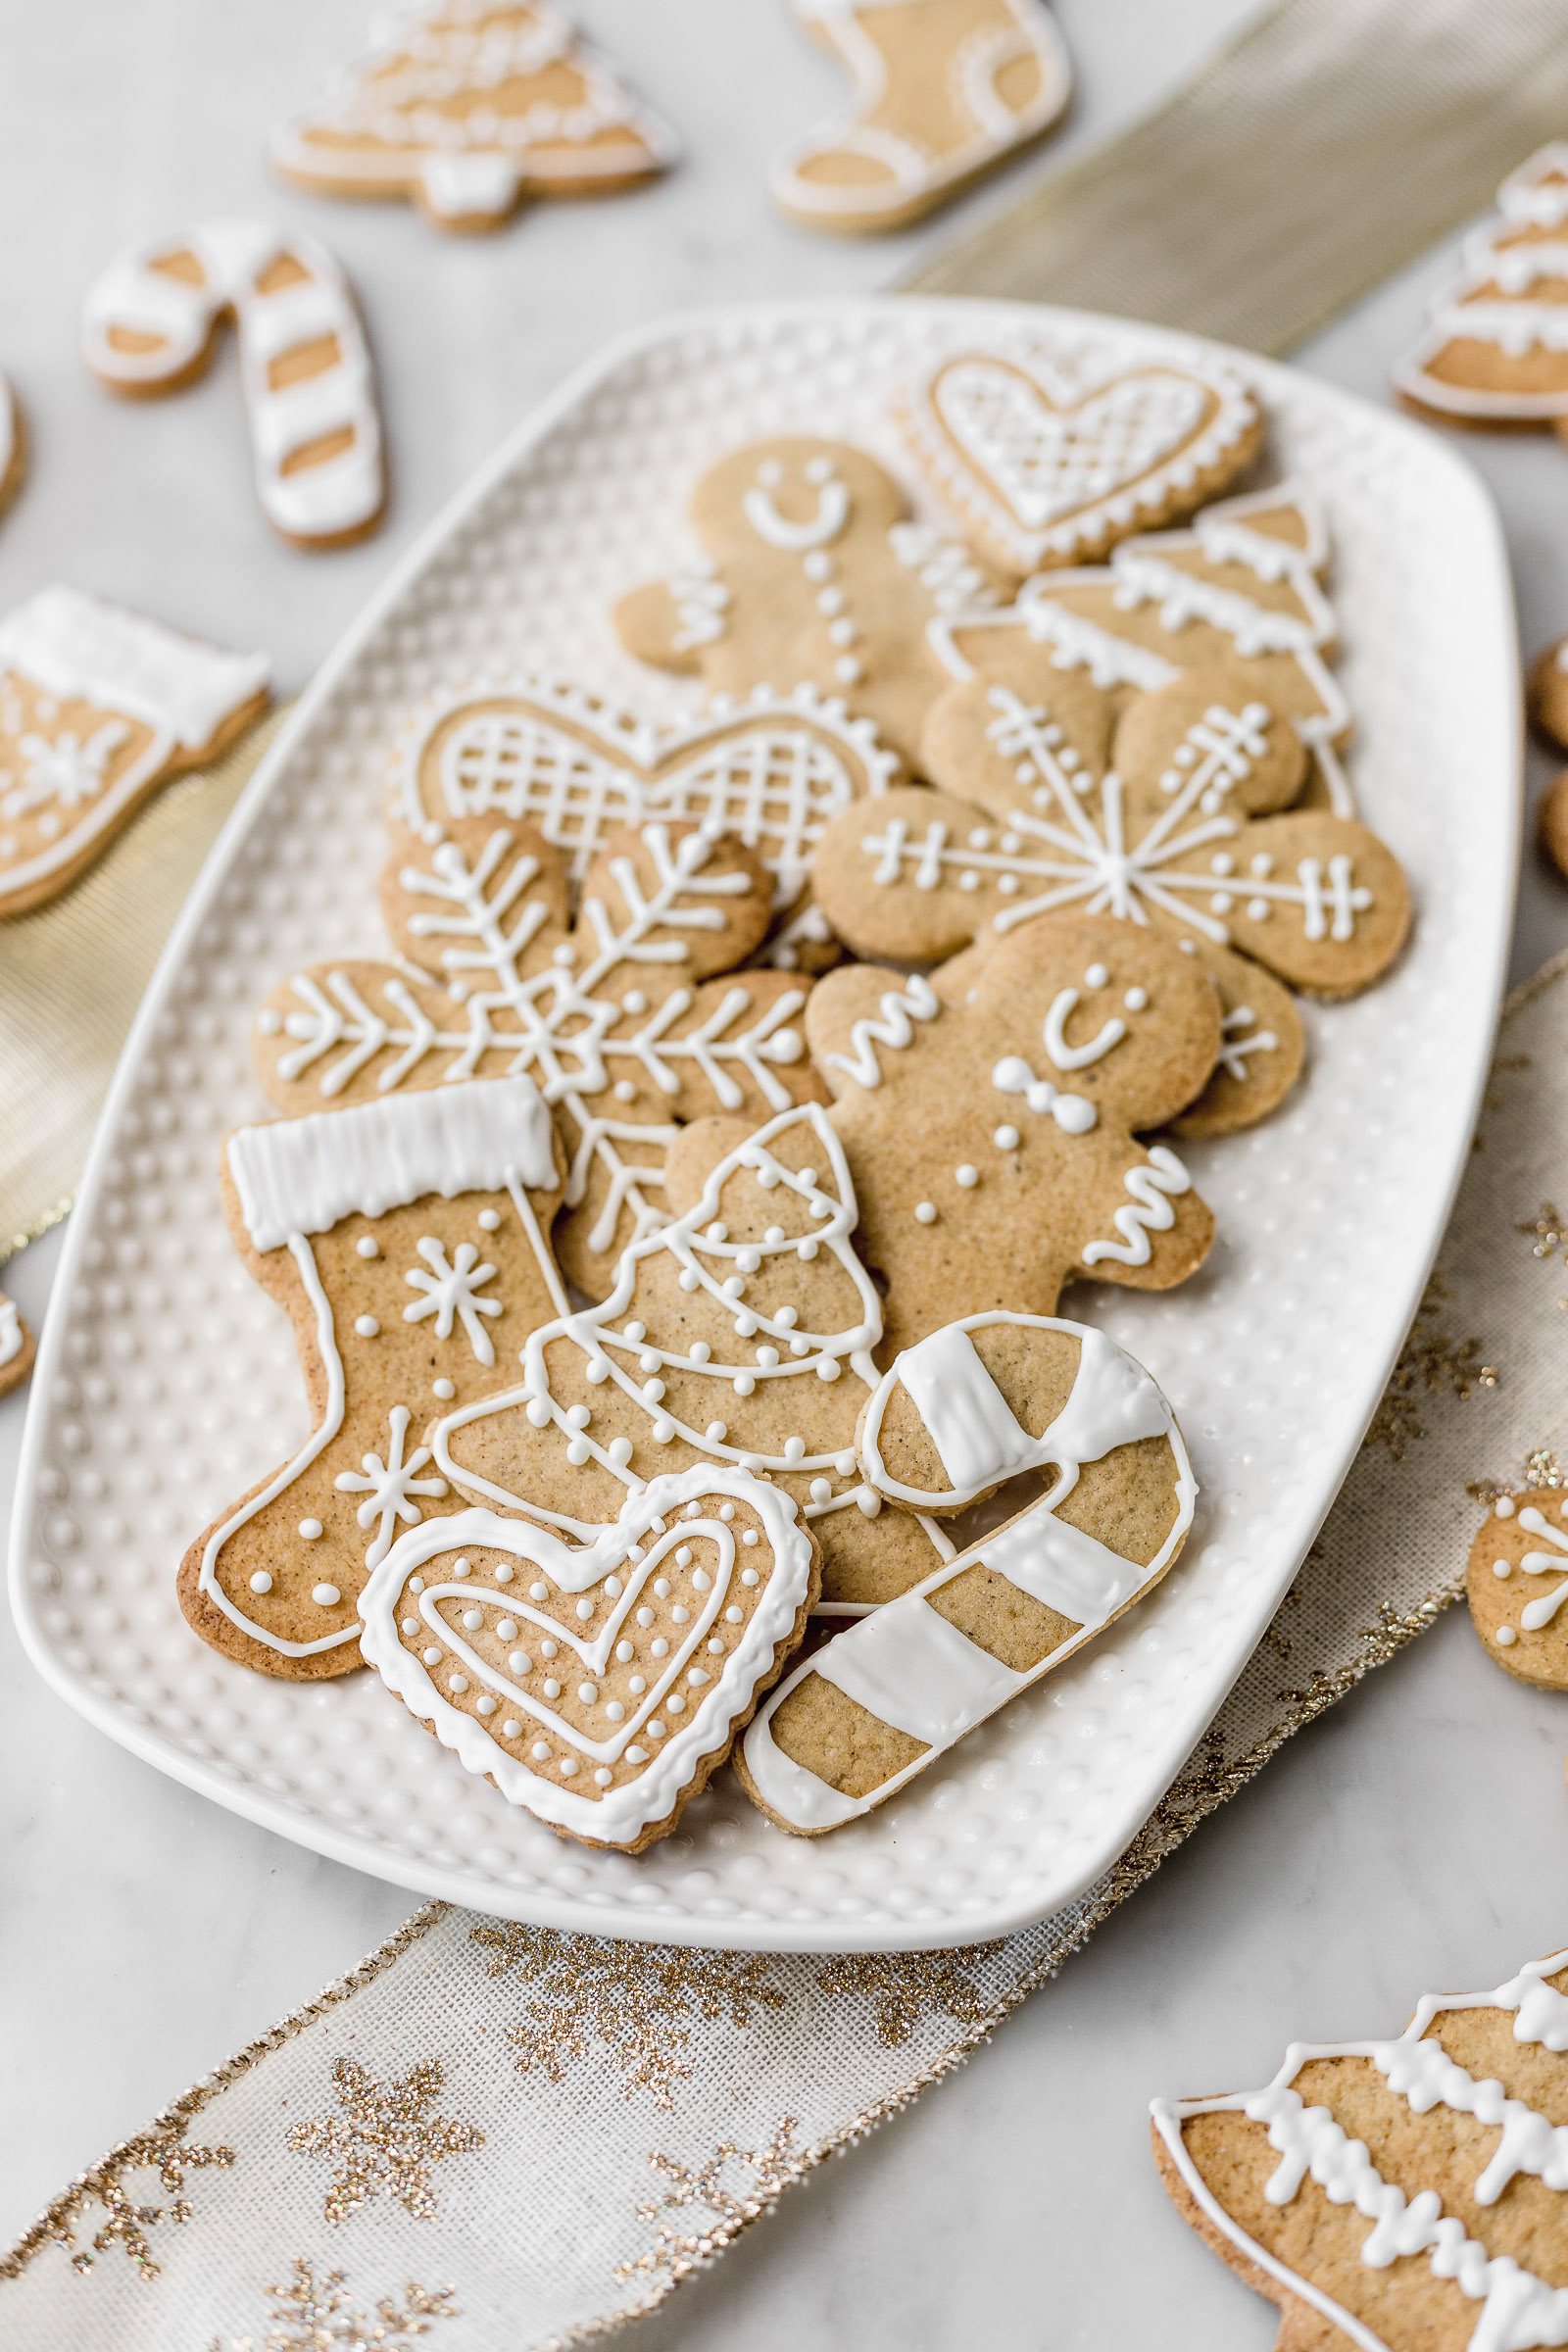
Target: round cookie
{"points": [[1517, 1584], [1551, 823], [1547, 694]]}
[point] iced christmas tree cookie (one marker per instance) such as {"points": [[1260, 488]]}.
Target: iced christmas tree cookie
{"points": [[405, 1241], [976, 1404], [17, 1345], [98, 707], [1497, 349]]}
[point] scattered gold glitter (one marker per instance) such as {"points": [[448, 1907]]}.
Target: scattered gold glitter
{"points": [[632, 1998], [677, 2251], [316, 2316], [1548, 1230], [384, 2139], [1542, 1469], [904, 1988], [158, 2149], [1429, 1361]]}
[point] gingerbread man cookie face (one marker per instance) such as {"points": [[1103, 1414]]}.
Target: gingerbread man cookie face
{"points": [[991, 1141], [811, 572], [1497, 349], [616, 1019], [404, 1239]]}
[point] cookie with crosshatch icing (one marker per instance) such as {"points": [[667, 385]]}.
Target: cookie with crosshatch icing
{"points": [[1049, 457], [976, 1404], [98, 707], [1403, 2194], [17, 1345], [598, 1684], [810, 569], [1517, 1586], [1496, 350], [404, 1239]]}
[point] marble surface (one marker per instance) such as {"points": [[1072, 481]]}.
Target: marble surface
{"points": [[1412, 1838]]}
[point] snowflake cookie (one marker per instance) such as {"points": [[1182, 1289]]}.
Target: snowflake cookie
{"points": [[1401, 2194], [150, 327], [1049, 457], [810, 569], [1517, 1586], [404, 1239], [978, 1404], [98, 707], [17, 1345], [598, 1684], [1497, 349], [622, 1019], [470, 107]]}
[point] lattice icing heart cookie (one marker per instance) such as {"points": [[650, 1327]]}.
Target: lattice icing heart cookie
{"points": [[597, 1684], [1402, 2194], [1050, 462], [404, 1241], [1497, 349], [976, 1404]]}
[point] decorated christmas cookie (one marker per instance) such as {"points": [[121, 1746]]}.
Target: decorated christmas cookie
{"points": [[404, 1239], [943, 91], [17, 1345], [1517, 1586], [1497, 349], [13, 443], [597, 1684], [621, 1018], [1551, 823], [150, 325], [1549, 693], [976, 1404], [1402, 2194], [1049, 461], [98, 707], [810, 570], [470, 107], [991, 1141], [740, 1334]]}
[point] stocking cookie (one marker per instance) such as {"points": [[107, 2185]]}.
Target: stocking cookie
{"points": [[404, 1239], [597, 1685], [1048, 460], [1497, 349], [98, 707], [976, 1404], [621, 1019], [741, 1334], [810, 569], [150, 325], [471, 106], [991, 1141], [17, 1345], [1405, 2194], [944, 91]]}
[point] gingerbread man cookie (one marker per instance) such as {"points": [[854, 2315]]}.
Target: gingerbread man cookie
{"points": [[404, 1239], [17, 1345], [1402, 2194], [471, 106], [98, 707], [622, 1019], [976, 1404], [151, 324], [1049, 457], [991, 1141], [1497, 349], [810, 571], [944, 91]]}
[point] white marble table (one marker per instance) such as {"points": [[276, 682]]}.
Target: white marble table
{"points": [[1415, 1834]]}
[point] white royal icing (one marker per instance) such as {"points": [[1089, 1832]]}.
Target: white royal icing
{"points": [[79, 647], [10, 1331], [1151, 1185], [1506, 256]]}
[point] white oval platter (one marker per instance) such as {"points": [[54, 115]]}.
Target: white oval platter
{"points": [[168, 1383]]}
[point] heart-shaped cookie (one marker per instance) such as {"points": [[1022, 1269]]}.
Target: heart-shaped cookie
{"points": [[597, 1685], [770, 772], [1048, 469]]}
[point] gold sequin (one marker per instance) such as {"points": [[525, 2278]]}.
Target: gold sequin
{"points": [[384, 2139]]}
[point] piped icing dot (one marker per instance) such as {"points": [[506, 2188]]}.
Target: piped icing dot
{"points": [[487, 1705], [925, 1213], [1136, 1000], [489, 1219], [726, 1510], [569, 1765], [1097, 975], [602, 1778], [1502, 1567], [511, 1729], [367, 1245], [261, 1582], [1504, 1506], [1005, 1139], [520, 1661], [432, 1656], [968, 1176], [539, 1752], [749, 1576], [310, 1529], [735, 1616], [443, 1391], [366, 1326], [585, 1608], [1506, 1635]]}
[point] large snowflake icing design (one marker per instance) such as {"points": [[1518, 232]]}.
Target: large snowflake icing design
{"points": [[63, 767]]}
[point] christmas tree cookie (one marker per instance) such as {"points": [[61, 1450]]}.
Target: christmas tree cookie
{"points": [[1495, 351]]}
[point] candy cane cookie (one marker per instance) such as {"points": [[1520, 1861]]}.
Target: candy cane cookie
{"points": [[150, 325]]}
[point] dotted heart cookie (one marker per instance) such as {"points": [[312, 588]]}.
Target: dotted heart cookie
{"points": [[991, 1143], [1495, 351], [1402, 2194], [17, 1345], [597, 1685], [98, 707], [471, 106], [976, 1404], [810, 569], [1046, 460], [618, 1019], [402, 1239]]}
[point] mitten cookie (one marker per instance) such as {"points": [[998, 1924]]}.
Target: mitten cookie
{"points": [[617, 1019], [977, 1404], [991, 1141], [1517, 1585], [810, 571], [150, 327], [944, 91], [1497, 349], [597, 1685], [1049, 461], [404, 1241], [470, 107], [98, 707], [17, 1345], [741, 1334], [1402, 2195]]}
